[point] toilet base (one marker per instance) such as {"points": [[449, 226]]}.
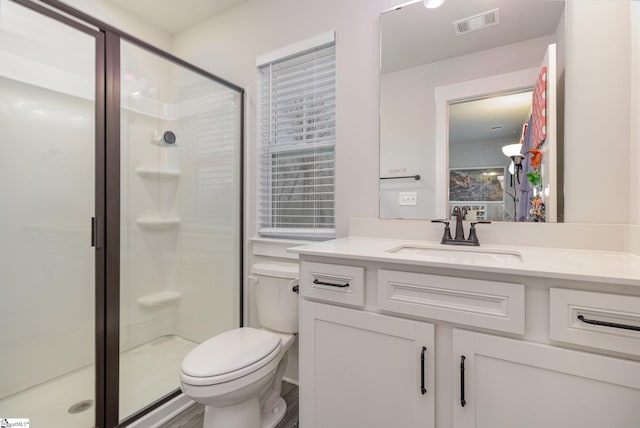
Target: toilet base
{"points": [[272, 417], [245, 415]]}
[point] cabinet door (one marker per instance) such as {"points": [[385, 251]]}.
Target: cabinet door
{"points": [[511, 383], [364, 370]]}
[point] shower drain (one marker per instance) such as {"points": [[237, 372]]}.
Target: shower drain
{"points": [[80, 407]]}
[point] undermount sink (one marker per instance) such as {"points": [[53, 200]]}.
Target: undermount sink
{"points": [[458, 255]]}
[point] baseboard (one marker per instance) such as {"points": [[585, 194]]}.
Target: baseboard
{"points": [[291, 381]]}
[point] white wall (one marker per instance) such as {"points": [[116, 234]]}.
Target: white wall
{"points": [[634, 158], [408, 117], [633, 236], [597, 117], [470, 154]]}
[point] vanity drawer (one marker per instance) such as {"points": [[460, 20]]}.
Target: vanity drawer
{"points": [[332, 283], [620, 315], [488, 304]]}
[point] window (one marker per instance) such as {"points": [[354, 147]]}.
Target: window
{"points": [[297, 111]]}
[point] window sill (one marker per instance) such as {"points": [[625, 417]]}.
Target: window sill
{"points": [[297, 235]]}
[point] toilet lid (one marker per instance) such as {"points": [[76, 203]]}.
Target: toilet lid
{"points": [[229, 352]]}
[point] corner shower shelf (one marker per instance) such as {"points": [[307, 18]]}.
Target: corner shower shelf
{"points": [[158, 223], [158, 299], [157, 173]]}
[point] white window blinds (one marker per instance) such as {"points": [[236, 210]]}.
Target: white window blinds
{"points": [[297, 115]]}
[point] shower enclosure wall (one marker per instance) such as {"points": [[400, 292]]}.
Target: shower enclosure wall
{"points": [[109, 142]]}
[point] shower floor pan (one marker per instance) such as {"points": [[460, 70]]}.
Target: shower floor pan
{"points": [[148, 372]]}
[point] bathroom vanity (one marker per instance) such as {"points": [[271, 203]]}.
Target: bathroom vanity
{"points": [[395, 333]]}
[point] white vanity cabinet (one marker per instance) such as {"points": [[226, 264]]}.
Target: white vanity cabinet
{"points": [[545, 344], [364, 370], [510, 383]]}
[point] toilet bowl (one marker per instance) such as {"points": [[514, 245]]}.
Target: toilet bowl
{"points": [[237, 375]]}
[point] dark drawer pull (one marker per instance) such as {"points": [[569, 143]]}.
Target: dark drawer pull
{"points": [[463, 402], [608, 324], [423, 390], [330, 284]]}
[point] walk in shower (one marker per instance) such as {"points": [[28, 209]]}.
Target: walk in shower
{"points": [[121, 219]]}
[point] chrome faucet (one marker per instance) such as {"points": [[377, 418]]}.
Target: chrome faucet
{"points": [[459, 239]]}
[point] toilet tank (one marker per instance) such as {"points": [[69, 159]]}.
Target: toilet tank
{"points": [[277, 302]]}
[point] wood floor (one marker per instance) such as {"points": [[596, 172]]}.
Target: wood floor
{"points": [[192, 417]]}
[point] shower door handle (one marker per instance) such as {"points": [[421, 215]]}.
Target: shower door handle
{"points": [[96, 236], [93, 231]]}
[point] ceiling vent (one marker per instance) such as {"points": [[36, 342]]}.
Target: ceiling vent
{"points": [[477, 22]]}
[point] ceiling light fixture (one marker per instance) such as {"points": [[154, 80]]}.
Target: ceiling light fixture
{"points": [[432, 4]]}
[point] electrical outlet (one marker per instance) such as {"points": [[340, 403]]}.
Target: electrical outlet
{"points": [[408, 198]]}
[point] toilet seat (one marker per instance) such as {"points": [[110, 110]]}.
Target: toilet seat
{"points": [[230, 356]]}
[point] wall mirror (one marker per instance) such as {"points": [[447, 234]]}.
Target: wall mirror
{"points": [[463, 90]]}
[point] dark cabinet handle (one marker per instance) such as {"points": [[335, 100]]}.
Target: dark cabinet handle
{"points": [[331, 284], [463, 402], [608, 324], [423, 390]]}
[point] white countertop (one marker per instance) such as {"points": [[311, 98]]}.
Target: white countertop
{"points": [[582, 265]]}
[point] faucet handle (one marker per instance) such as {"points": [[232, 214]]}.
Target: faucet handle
{"points": [[446, 222], [447, 231], [473, 237]]}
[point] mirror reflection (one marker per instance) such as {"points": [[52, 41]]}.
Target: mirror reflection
{"points": [[485, 178], [456, 99]]}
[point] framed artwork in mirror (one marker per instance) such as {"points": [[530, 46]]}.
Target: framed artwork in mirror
{"points": [[476, 184]]}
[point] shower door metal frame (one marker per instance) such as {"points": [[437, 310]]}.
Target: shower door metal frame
{"points": [[107, 199]]}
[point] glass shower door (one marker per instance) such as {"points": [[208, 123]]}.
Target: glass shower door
{"points": [[180, 238], [47, 186]]}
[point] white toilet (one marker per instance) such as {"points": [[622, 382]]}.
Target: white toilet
{"points": [[237, 375]]}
